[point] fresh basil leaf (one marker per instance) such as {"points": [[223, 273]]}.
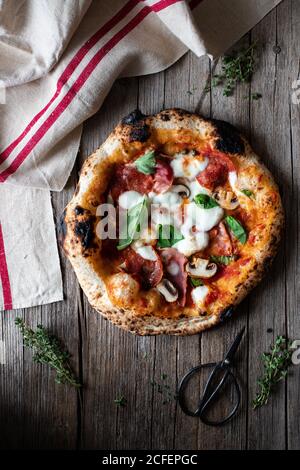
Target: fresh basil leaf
{"points": [[205, 201], [226, 260], [237, 229], [146, 163], [135, 216], [248, 193], [196, 282], [168, 235]]}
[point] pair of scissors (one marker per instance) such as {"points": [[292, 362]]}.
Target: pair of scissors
{"points": [[220, 374]]}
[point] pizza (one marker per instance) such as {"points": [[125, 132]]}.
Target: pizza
{"points": [[173, 221]]}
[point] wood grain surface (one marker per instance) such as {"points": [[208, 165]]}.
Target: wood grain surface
{"points": [[37, 413]]}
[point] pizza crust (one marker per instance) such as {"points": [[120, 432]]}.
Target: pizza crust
{"points": [[79, 220]]}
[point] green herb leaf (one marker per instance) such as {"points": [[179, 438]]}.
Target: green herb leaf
{"points": [[276, 364], [256, 96], [196, 282], [205, 201], [135, 217], [47, 350], [168, 235], [248, 193], [121, 401], [164, 389], [146, 163], [237, 229], [236, 68], [226, 260]]}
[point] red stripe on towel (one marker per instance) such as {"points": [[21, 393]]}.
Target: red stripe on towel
{"points": [[4, 276], [67, 73]]}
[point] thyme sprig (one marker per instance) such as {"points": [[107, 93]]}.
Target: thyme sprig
{"points": [[237, 67], [120, 401], [48, 350], [276, 364], [164, 389]]}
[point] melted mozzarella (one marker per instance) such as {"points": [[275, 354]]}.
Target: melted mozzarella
{"points": [[187, 165], [232, 177], [192, 244], [168, 199], [148, 235], [161, 215], [196, 188], [146, 252], [129, 199], [203, 219], [166, 208], [199, 294], [173, 268]]}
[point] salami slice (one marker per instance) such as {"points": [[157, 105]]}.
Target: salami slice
{"points": [[163, 177], [128, 178], [174, 264], [148, 273], [216, 172], [220, 241]]}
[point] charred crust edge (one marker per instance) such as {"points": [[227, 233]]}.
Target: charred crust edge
{"points": [[79, 210], [84, 227], [84, 230], [137, 130], [139, 133], [133, 118], [62, 228], [228, 138]]}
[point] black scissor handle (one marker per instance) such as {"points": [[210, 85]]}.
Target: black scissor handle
{"points": [[183, 385], [210, 393]]}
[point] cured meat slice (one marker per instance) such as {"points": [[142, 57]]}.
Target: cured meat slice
{"points": [[216, 172], [128, 178], [163, 177], [174, 264], [148, 273], [220, 241]]}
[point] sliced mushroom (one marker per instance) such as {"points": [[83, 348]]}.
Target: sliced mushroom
{"points": [[168, 290], [200, 267], [182, 190], [226, 199]]}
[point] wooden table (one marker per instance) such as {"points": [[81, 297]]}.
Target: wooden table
{"points": [[37, 413]]}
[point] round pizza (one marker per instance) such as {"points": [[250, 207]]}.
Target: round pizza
{"points": [[174, 220]]}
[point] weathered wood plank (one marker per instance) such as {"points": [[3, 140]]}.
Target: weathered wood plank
{"points": [[269, 117], [288, 32], [11, 383]]}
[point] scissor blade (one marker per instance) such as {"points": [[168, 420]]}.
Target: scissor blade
{"points": [[233, 348]]}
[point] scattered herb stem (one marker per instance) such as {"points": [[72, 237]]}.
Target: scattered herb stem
{"points": [[121, 401], [276, 364], [47, 350], [164, 389], [236, 68]]}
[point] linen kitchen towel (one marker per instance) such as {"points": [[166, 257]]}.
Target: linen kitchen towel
{"points": [[58, 61]]}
